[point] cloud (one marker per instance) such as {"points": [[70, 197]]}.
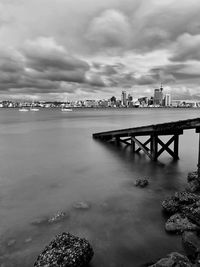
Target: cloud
{"points": [[44, 53], [187, 48], [110, 29], [51, 47]]}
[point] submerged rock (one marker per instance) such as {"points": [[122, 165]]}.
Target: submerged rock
{"points": [[191, 243], [11, 242], [82, 205], [141, 183], [179, 223], [174, 259], [66, 250], [57, 217], [60, 215]]}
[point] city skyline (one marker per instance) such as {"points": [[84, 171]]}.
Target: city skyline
{"points": [[68, 49]]}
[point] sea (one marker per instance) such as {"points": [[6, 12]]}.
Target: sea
{"points": [[50, 163]]}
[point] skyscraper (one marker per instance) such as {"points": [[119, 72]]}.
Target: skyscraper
{"points": [[167, 100], [158, 96], [123, 98]]}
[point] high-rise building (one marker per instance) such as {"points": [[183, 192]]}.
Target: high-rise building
{"points": [[123, 98], [158, 96], [167, 100]]}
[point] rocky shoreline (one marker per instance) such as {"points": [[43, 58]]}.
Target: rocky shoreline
{"points": [[183, 218], [183, 211]]}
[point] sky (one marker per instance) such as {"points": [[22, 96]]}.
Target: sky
{"points": [[93, 49]]}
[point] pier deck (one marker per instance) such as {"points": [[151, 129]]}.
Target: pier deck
{"points": [[150, 147]]}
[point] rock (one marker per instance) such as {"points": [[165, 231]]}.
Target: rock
{"points": [[175, 203], [170, 205], [193, 214], [60, 215], [11, 243], [191, 243], [192, 176], [186, 197], [28, 240], [193, 186], [141, 182], [174, 259], [57, 217], [40, 221], [66, 250], [179, 223], [82, 205]]}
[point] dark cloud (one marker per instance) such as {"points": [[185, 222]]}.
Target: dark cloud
{"points": [[100, 45], [187, 48]]}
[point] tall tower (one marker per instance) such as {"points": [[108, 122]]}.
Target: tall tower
{"points": [[158, 96], [167, 100], [123, 98]]}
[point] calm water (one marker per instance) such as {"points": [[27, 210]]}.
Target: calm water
{"points": [[49, 162]]}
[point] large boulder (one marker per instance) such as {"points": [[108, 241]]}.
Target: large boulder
{"points": [[179, 223], [186, 197], [193, 186], [192, 176], [174, 259], [66, 250], [192, 213], [170, 205], [191, 243], [175, 203]]}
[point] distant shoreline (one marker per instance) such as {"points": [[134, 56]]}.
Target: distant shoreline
{"points": [[109, 108]]}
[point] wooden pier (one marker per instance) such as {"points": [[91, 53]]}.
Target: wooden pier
{"points": [[130, 136]]}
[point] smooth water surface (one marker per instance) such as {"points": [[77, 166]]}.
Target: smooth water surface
{"points": [[49, 162]]}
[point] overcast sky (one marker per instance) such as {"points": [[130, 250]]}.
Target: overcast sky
{"points": [[78, 49]]}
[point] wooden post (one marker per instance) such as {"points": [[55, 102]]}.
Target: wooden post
{"points": [[117, 141], [154, 147], [176, 141], [132, 144]]}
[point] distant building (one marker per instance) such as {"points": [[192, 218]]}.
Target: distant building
{"points": [[123, 99], [143, 101], [90, 103], [130, 100], [158, 97], [168, 100]]}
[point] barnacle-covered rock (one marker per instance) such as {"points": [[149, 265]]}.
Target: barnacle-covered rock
{"points": [[170, 205], [192, 176], [66, 250], [174, 259], [179, 223], [186, 197], [191, 243]]}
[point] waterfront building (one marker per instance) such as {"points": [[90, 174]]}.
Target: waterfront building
{"points": [[130, 100], [143, 101], [123, 99], [158, 97], [167, 100], [90, 103]]}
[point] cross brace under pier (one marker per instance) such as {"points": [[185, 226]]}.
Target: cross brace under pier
{"points": [[150, 146]]}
